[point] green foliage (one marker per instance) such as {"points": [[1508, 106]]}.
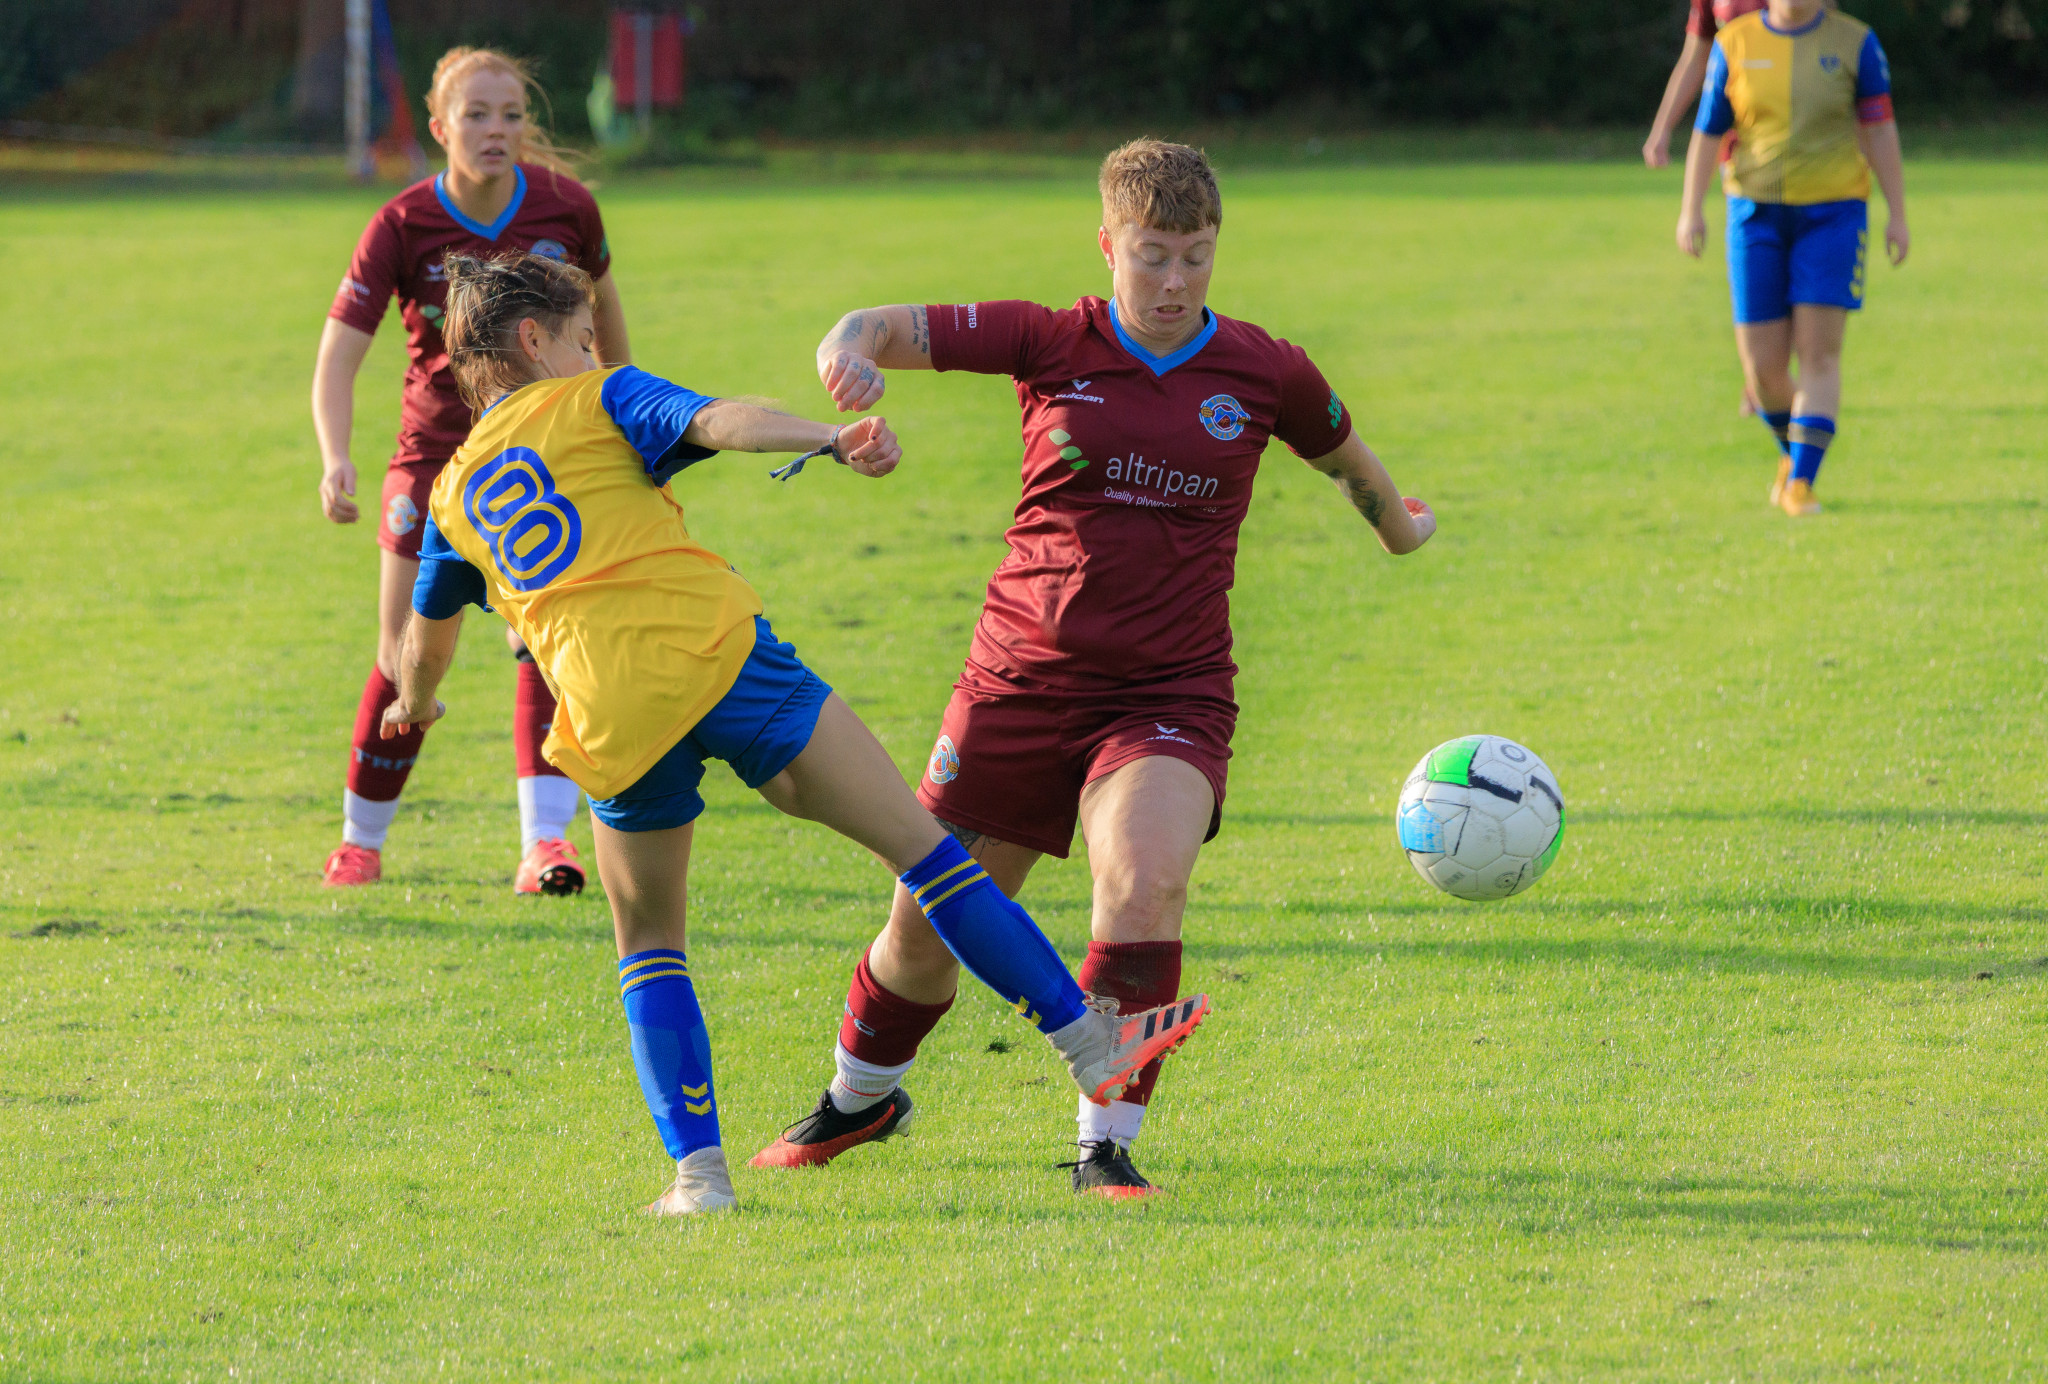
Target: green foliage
{"points": [[1747, 1086]]}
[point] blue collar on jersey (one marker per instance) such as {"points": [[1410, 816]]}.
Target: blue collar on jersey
{"points": [[1808, 27], [1159, 365], [478, 228]]}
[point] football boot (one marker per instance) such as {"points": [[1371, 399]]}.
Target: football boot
{"points": [[1778, 485], [1798, 500], [702, 1184], [352, 864], [551, 867], [1104, 1169], [1110, 1055], [825, 1133]]}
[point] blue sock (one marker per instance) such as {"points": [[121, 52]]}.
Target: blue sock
{"points": [[1811, 435], [1780, 424], [994, 938], [671, 1049]]}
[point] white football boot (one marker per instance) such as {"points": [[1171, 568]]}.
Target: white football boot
{"points": [[1105, 1050], [702, 1183]]}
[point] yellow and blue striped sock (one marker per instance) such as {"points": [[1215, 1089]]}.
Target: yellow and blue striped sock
{"points": [[671, 1049], [1811, 435], [994, 938]]}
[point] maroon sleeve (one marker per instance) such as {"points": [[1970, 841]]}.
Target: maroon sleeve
{"points": [[998, 338], [595, 258], [1313, 420], [373, 274], [1701, 20]]}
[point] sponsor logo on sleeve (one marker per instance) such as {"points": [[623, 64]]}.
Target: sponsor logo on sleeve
{"points": [[945, 762], [1336, 411], [355, 289], [1223, 416]]}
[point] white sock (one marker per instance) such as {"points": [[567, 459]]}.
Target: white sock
{"points": [[1119, 1120], [547, 804], [856, 1085], [364, 823]]}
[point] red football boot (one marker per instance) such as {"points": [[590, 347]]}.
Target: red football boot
{"points": [[352, 864], [824, 1134], [551, 867]]}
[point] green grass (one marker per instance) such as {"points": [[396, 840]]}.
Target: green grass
{"points": [[1748, 1086]]}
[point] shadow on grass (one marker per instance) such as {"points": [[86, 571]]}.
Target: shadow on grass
{"points": [[1365, 1198]]}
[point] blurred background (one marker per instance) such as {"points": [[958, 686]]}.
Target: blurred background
{"points": [[724, 76]]}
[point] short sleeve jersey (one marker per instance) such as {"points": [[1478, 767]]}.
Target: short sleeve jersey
{"points": [[557, 514], [1137, 475], [1708, 16], [402, 254], [1794, 98]]}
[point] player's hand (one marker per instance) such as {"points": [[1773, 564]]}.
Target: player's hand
{"points": [[870, 447], [400, 718], [1424, 517], [1692, 232], [1657, 150], [337, 492], [1898, 241], [854, 381]]}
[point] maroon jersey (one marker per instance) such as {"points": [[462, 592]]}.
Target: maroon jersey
{"points": [[401, 253], [1708, 16], [1137, 473]]}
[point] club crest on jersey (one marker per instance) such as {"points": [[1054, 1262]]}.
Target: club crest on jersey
{"points": [[1223, 416], [945, 762], [1830, 63], [552, 249], [401, 516], [534, 531]]}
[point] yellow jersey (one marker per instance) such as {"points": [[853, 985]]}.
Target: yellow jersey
{"points": [[556, 512], [1794, 99]]}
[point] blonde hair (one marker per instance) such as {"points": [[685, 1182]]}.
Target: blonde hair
{"points": [[536, 145], [1161, 186], [487, 300]]}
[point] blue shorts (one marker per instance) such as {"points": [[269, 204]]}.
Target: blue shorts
{"points": [[1779, 255], [758, 728]]}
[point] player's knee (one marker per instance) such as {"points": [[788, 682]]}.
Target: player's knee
{"points": [[1142, 892]]}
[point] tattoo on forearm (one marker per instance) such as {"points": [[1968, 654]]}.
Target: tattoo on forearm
{"points": [[920, 330], [1365, 499], [856, 323]]}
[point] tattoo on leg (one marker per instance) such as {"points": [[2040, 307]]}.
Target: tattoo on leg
{"points": [[1366, 500], [920, 330], [968, 837]]}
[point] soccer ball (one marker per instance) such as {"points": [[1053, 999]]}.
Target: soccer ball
{"points": [[1481, 817]]}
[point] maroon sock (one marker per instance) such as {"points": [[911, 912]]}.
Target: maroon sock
{"points": [[377, 769], [1137, 975], [533, 716], [881, 1027]]}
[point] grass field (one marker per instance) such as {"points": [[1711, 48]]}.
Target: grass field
{"points": [[1749, 1086]]}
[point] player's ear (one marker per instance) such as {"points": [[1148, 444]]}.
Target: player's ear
{"points": [[530, 339], [1107, 245]]}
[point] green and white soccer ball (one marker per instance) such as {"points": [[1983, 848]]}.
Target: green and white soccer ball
{"points": [[1481, 817]]}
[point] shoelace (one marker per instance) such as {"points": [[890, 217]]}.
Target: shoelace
{"points": [[1099, 1151]]}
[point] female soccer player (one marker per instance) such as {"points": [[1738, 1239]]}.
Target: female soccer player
{"points": [[557, 512], [1807, 93], [506, 188], [1098, 685]]}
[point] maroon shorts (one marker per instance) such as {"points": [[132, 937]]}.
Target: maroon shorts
{"points": [[403, 514], [1014, 754]]}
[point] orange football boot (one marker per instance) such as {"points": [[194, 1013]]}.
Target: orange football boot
{"points": [[551, 867]]}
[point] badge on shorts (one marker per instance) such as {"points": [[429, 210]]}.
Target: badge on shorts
{"points": [[401, 516], [945, 763]]}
